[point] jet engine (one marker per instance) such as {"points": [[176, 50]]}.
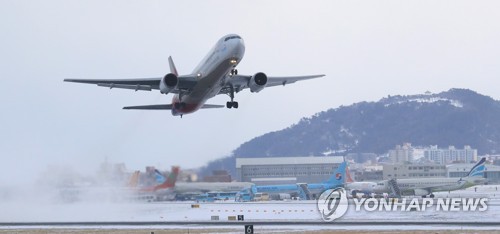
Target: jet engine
{"points": [[257, 82], [168, 83], [421, 192]]}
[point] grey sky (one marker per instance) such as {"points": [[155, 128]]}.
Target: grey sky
{"points": [[367, 49]]}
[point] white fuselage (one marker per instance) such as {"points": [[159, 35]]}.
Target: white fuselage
{"points": [[203, 187], [212, 72], [362, 187], [429, 185]]}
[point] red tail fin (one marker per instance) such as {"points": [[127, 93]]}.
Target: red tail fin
{"points": [[348, 176], [170, 182]]}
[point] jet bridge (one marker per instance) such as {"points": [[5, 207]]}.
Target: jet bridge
{"points": [[393, 186], [304, 192]]}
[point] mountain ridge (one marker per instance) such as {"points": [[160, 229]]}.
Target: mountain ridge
{"points": [[455, 117]]}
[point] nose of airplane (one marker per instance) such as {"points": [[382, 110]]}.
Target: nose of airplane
{"points": [[238, 47]]}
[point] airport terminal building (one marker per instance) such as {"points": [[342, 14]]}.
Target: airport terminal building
{"points": [[405, 171], [286, 170], [492, 172]]}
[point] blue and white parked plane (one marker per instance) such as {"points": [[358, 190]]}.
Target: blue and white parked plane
{"points": [[426, 186], [216, 74], [304, 190]]}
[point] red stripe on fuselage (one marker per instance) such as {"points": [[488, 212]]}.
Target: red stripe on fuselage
{"points": [[187, 108]]}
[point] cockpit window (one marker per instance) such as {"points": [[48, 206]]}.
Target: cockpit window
{"points": [[232, 37]]}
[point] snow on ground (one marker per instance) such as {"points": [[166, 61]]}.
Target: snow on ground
{"points": [[28, 211]]}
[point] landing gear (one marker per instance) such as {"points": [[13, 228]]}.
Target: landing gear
{"points": [[180, 104], [232, 103], [233, 72]]}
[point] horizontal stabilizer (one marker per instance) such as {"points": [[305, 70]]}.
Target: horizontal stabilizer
{"points": [[208, 106], [150, 107], [166, 107]]}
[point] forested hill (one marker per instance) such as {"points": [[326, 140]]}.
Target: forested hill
{"points": [[457, 117]]}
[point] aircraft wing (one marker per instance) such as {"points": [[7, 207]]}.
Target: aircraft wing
{"points": [[240, 82], [145, 84], [166, 107], [275, 81]]}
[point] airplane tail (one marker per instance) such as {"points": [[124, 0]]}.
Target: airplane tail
{"points": [[348, 178], [478, 169], [134, 180], [160, 178], [171, 179], [338, 177], [167, 107], [253, 189]]}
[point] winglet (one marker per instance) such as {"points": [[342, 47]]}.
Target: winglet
{"points": [[173, 70]]}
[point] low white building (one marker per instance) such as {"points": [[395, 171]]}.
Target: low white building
{"points": [[404, 171], [284, 170]]}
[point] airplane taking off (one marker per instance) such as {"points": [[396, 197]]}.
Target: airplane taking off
{"points": [[216, 74]]}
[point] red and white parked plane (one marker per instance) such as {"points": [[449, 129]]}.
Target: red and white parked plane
{"points": [[216, 74]]}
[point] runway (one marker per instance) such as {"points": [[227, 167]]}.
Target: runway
{"points": [[259, 227], [260, 223], [271, 216]]}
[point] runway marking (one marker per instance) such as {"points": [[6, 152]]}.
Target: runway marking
{"points": [[265, 211], [274, 222]]}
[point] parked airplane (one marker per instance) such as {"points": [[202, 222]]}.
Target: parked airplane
{"points": [[216, 74], [204, 187], [163, 191], [354, 187], [305, 191], [426, 186], [173, 188]]}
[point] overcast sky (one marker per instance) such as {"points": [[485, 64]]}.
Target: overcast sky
{"points": [[367, 49]]}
